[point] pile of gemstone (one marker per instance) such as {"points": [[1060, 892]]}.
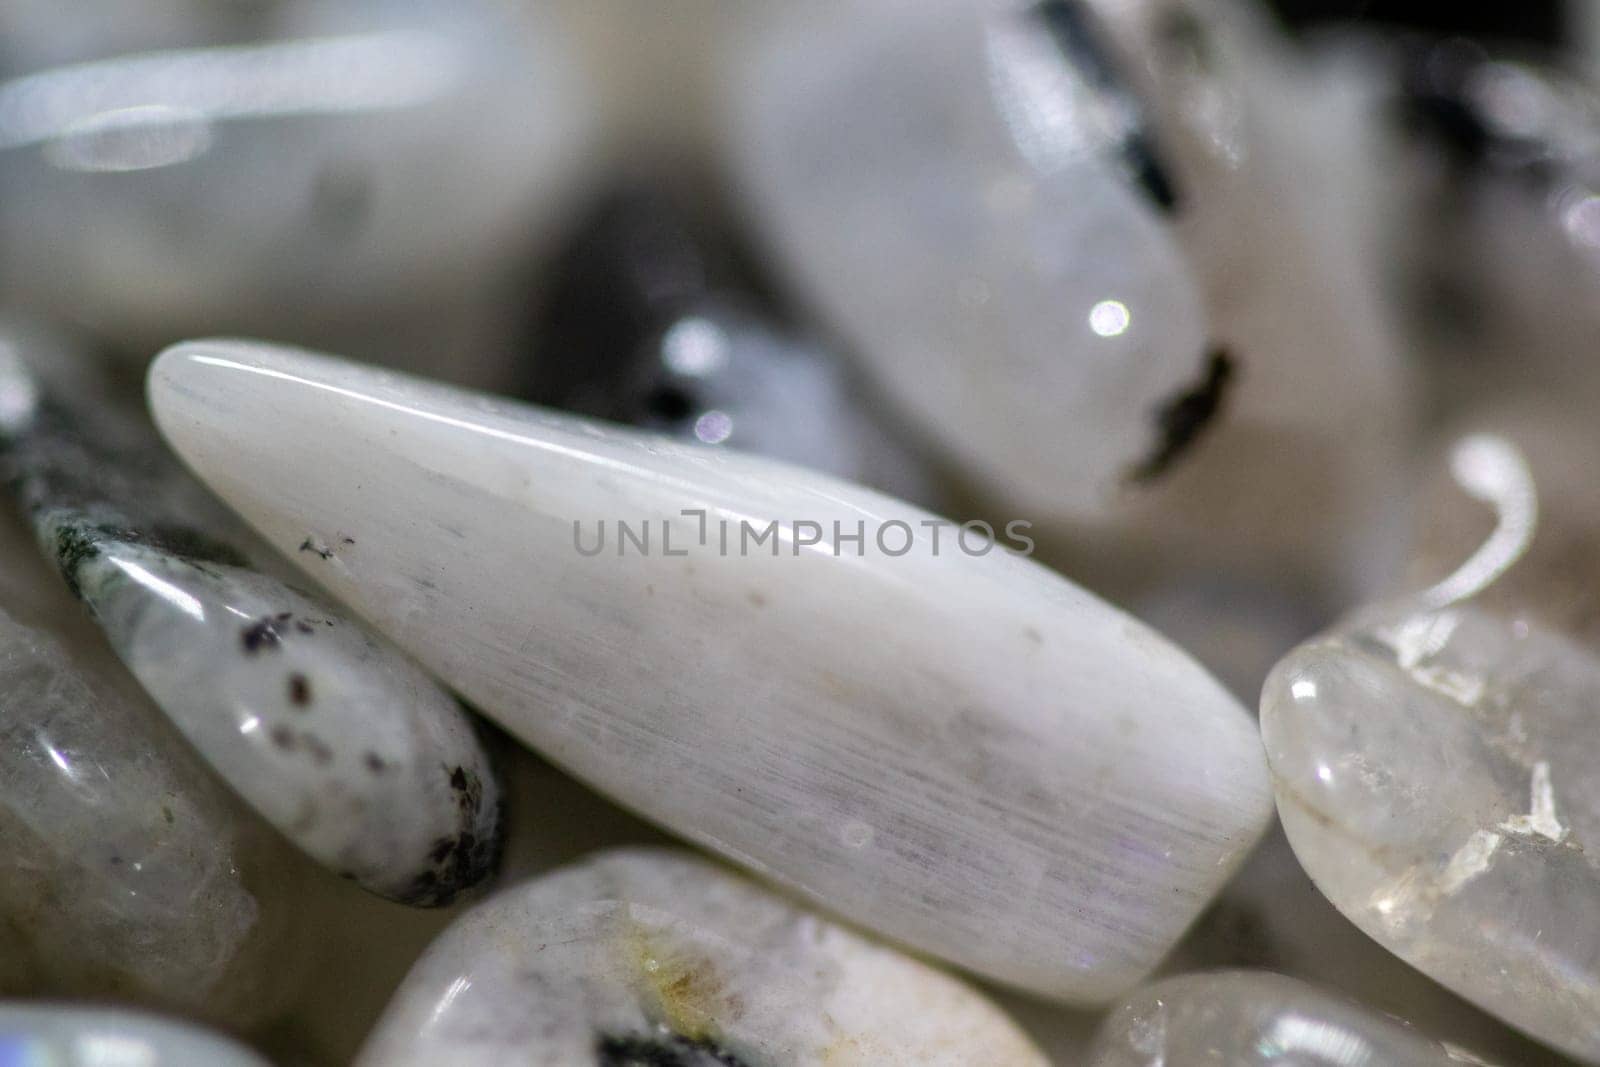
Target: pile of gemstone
{"points": [[855, 533]]}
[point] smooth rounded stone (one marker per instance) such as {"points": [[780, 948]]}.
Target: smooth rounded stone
{"points": [[62, 1035], [129, 871], [654, 956], [1249, 1018], [370, 174], [1234, 237], [903, 734], [965, 205], [1272, 917], [334, 736], [1434, 773], [648, 322]]}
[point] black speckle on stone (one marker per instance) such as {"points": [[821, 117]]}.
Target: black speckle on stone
{"points": [[190, 544], [259, 635], [442, 849], [347, 540], [321, 754], [375, 763], [1181, 420], [462, 860], [75, 545], [284, 738], [312, 545], [166, 813], [304, 627], [299, 690], [661, 1050]]}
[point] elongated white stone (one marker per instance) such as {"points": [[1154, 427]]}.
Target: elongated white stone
{"points": [[1257, 1019], [652, 956], [965, 753], [60, 1035], [128, 870], [334, 736], [1433, 757]]}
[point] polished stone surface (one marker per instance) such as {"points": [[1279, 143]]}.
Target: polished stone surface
{"points": [[320, 178], [929, 182], [1257, 1019], [335, 737], [656, 957], [61, 1035], [903, 733], [129, 871], [1434, 774]]}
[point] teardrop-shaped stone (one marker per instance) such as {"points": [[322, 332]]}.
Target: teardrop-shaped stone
{"points": [[334, 736], [1257, 1019], [918, 730], [656, 957]]}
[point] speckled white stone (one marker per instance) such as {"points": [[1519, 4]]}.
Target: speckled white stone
{"points": [[644, 956], [61, 1035], [965, 753], [1257, 1019], [336, 737]]}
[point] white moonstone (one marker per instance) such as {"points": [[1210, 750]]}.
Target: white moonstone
{"points": [[61, 1035], [644, 956], [334, 736], [963, 752], [1257, 1019], [128, 870], [947, 193], [312, 182]]}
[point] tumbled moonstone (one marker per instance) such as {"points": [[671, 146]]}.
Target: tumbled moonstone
{"points": [[334, 736], [950, 192], [907, 737], [128, 870], [1434, 772], [1249, 1018], [646, 956], [60, 1035]]}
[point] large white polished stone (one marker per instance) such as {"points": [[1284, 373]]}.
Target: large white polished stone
{"points": [[963, 752], [655, 957]]}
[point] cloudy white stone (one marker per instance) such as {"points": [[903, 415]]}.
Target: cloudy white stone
{"points": [[334, 736], [1257, 1019], [62, 1035], [947, 193], [963, 752], [651, 956]]}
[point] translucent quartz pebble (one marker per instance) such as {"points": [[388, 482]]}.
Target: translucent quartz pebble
{"points": [[655, 957], [59, 1035], [128, 871], [647, 324], [953, 196], [312, 180], [1251, 1018], [336, 737], [904, 731], [1434, 772]]}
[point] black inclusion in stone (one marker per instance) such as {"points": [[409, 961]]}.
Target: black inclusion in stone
{"points": [[1072, 27], [660, 1050], [1181, 420]]}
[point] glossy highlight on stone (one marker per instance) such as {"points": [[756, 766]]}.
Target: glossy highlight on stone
{"points": [[333, 735], [656, 957], [60, 1035], [1257, 1019], [903, 737]]}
